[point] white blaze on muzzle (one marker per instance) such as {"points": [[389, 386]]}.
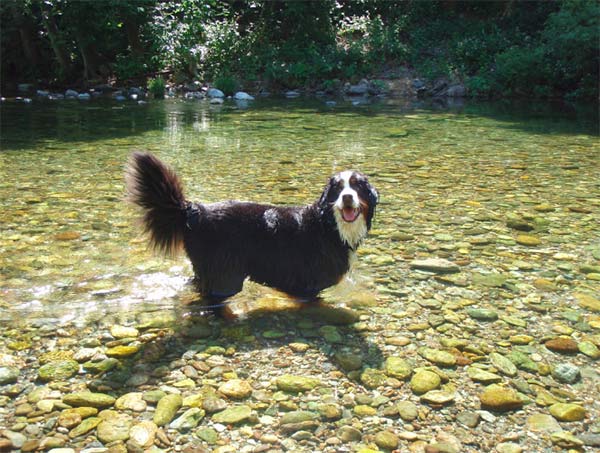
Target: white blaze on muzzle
{"points": [[351, 225], [348, 202]]}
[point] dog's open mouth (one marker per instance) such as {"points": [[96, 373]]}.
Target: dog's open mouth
{"points": [[350, 214]]}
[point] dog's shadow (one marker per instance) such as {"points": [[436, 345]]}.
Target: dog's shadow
{"points": [[271, 332]]}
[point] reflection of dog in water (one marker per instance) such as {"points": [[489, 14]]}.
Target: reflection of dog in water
{"points": [[300, 250]]}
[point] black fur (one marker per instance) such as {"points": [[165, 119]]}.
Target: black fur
{"points": [[297, 249]]}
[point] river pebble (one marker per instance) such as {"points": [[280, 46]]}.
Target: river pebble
{"points": [[439, 357], [496, 397], [91, 399], [236, 388], [297, 384], [166, 409], [397, 367], [59, 370], [386, 440], [188, 420], [424, 381], [566, 372], [436, 265], [114, 426], [8, 375], [233, 415], [567, 412], [503, 364], [142, 435]]}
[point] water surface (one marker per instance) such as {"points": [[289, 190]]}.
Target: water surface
{"points": [[71, 252]]}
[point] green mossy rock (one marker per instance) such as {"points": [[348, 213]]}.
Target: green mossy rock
{"points": [[233, 415], [498, 398], [398, 368], [58, 371], [567, 412], [166, 409], [89, 399], [296, 384]]}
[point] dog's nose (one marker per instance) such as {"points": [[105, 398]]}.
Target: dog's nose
{"points": [[347, 200]]}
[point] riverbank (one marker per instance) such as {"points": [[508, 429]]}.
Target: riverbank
{"points": [[398, 83]]}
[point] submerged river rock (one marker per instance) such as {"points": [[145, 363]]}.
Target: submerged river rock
{"points": [[470, 321]]}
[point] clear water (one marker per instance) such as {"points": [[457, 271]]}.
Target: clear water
{"points": [[71, 252]]}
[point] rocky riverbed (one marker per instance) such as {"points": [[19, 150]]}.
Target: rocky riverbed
{"points": [[464, 363], [471, 323]]}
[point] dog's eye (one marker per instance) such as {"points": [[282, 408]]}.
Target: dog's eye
{"points": [[336, 186]]}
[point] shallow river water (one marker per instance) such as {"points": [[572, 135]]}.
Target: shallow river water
{"points": [[505, 198]]}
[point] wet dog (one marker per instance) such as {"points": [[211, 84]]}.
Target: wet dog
{"points": [[299, 250]]}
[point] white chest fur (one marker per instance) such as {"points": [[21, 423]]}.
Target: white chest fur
{"points": [[351, 233]]}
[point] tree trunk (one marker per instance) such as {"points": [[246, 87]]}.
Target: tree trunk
{"points": [[29, 49], [94, 64], [57, 44], [133, 37], [89, 57], [26, 27]]}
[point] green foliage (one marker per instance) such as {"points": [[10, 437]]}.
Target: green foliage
{"points": [[226, 83], [571, 40], [127, 67], [563, 57], [177, 29], [368, 43], [480, 85], [156, 87], [476, 50], [331, 85], [520, 69], [500, 48], [226, 51]]}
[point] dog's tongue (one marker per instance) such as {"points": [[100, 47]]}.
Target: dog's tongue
{"points": [[349, 214]]}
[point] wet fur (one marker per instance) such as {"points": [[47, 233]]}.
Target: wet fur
{"points": [[299, 250]]}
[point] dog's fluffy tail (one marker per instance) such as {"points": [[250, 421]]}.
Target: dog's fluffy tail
{"points": [[158, 191]]}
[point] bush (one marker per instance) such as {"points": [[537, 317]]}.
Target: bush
{"points": [[535, 48], [366, 44], [157, 87], [129, 67], [571, 39], [224, 50], [479, 86], [520, 69], [476, 50], [226, 83]]}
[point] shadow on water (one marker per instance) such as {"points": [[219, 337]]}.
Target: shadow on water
{"points": [[264, 336], [40, 124]]}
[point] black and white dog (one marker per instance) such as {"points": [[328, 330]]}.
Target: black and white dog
{"points": [[299, 250]]}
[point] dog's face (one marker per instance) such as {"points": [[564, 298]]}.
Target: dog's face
{"points": [[351, 200]]}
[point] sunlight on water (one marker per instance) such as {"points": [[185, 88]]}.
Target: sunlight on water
{"points": [[70, 248]]}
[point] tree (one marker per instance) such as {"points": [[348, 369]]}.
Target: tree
{"points": [[57, 39]]}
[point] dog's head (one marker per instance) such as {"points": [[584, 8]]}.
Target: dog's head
{"points": [[351, 200]]}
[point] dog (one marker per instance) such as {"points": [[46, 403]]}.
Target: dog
{"points": [[299, 250]]}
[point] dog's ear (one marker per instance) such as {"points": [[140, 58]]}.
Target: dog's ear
{"points": [[372, 199], [324, 202]]}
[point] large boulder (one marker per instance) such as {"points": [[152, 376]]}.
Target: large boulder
{"points": [[361, 89], [242, 96], [456, 90], [215, 93]]}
